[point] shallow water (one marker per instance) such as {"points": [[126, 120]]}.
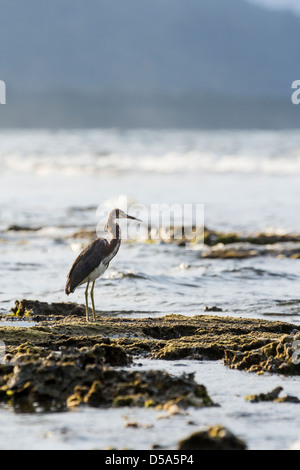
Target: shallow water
{"points": [[54, 182], [152, 279]]}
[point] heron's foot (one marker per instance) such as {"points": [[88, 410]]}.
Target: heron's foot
{"points": [[94, 316]]}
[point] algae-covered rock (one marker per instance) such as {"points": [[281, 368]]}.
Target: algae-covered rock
{"points": [[164, 390], [215, 237], [276, 356], [36, 309], [250, 344], [273, 395], [72, 378], [213, 438], [34, 379], [227, 245]]}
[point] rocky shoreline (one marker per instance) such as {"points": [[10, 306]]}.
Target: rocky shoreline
{"points": [[212, 243], [62, 361]]}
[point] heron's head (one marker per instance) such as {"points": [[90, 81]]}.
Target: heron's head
{"points": [[121, 215]]}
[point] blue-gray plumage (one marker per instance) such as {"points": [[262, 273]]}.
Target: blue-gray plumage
{"points": [[95, 258]]}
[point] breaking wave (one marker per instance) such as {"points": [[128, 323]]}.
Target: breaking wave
{"points": [[96, 152]]}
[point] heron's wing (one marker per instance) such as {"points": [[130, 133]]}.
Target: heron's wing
{"points": [[88, 260]]}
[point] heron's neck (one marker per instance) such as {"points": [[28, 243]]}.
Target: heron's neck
{"points": [[113, 228]]}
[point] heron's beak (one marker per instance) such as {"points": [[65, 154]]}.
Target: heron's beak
{"points": [[133, 218]]}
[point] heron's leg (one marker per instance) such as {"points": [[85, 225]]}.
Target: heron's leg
{"points": [[93, 302], [87, 302]]}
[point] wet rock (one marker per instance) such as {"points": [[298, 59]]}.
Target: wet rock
{"points": [[89, 234], [61, 381], [35, 379], [254, 345], [37, 309], [22, 228], [230, 251], [273, 395], [215, 237], [243, 250], [212, 309], [213, 438], [228, 245], [277, 356], [183, 235], [25, 352]]}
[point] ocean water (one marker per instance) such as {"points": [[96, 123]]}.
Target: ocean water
{"points": [[57, 182]]}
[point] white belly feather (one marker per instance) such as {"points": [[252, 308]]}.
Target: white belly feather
{"points": [[97, 272]]}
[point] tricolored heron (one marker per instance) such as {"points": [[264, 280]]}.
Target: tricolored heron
{"points": [[94, 260]]}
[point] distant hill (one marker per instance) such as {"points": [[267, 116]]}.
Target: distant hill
{"points": [[150, 63]]}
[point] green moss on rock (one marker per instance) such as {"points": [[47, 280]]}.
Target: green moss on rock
{"points": [[212, 438]]}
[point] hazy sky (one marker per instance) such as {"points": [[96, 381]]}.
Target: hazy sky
{"points": [[290, 4]]}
